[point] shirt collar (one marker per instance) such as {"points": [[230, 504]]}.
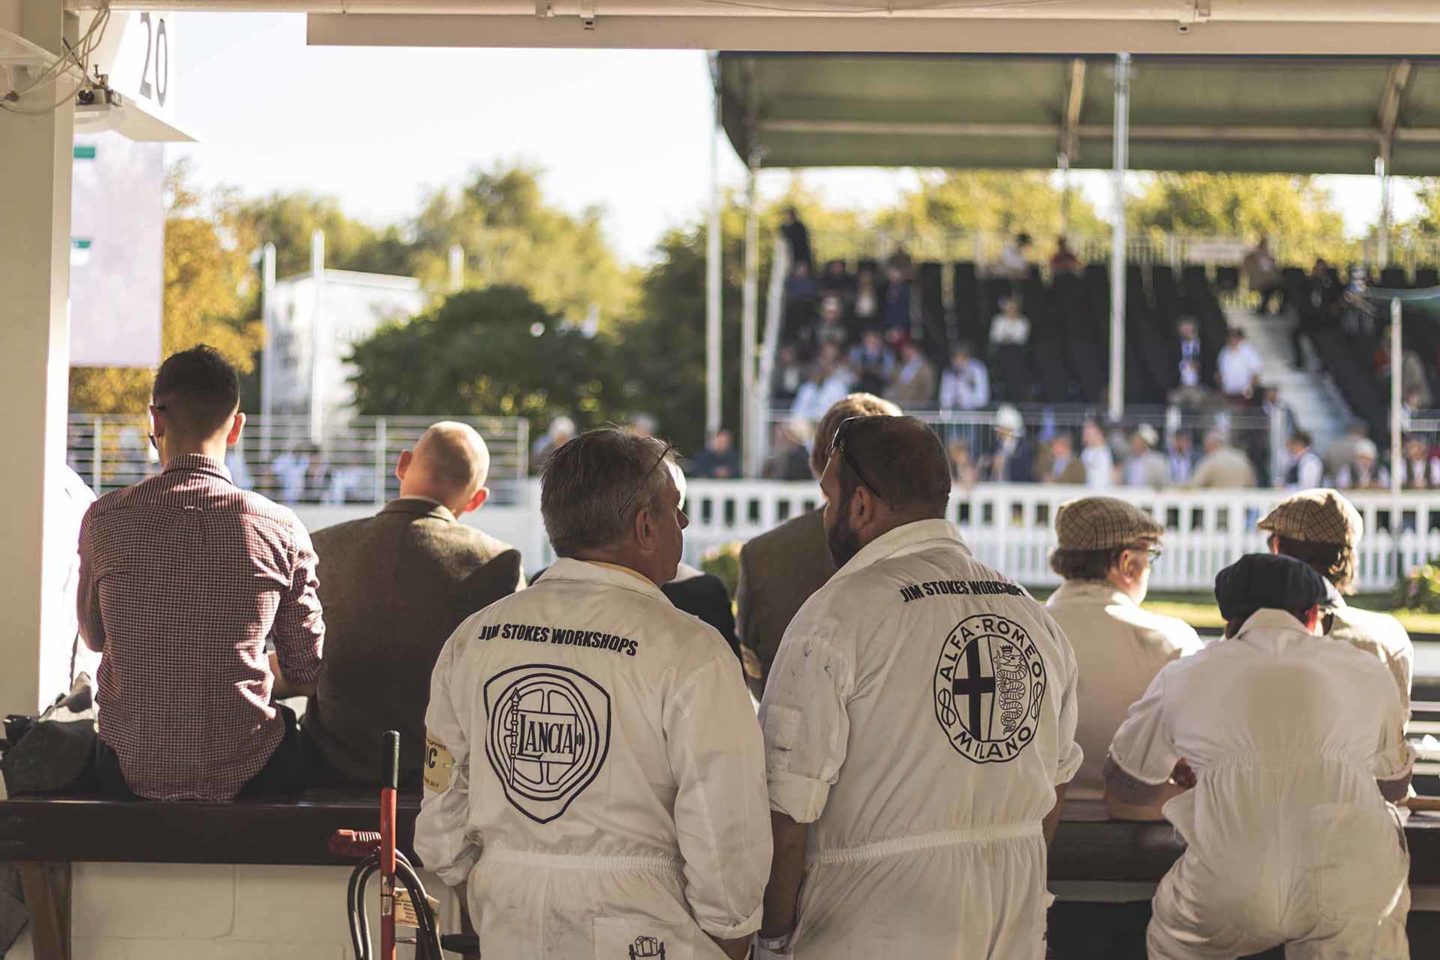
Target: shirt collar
{"points": [[196, 461], [1270, 622], [902, 540], [1097, 589], [608, 574]]}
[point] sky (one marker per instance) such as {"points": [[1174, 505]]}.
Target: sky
{"points": [[376, 128]]}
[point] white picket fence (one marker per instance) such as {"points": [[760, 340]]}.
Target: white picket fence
{"points": [[1011, 527]]}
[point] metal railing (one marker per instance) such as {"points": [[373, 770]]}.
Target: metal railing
{"points": [[354, 463]]}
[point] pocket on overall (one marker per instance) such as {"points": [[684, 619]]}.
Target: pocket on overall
{"points": [[1358, 861], [642, 938]]}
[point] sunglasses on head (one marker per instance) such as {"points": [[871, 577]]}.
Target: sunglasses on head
{"points": [[847, 426], [630, 500]]}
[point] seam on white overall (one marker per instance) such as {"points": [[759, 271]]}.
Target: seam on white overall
{"points": [[668, 866], [926, 841]]}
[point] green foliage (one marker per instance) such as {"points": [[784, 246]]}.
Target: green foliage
{"points": [[492, 352], [510, 235], [724, 562], [288, 220], [1419, 589], [1427, 222], [995, 201], [1296, 213]]}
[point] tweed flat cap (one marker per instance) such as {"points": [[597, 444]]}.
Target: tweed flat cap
{"points": [[1321, 515], [1103, 523], [1259, 581]]}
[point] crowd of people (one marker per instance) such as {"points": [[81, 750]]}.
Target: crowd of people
{"points": [[595, 774]]}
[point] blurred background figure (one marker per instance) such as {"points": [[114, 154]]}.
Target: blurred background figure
{"points": [[1146, 467], [719, 460], [789, 459]]}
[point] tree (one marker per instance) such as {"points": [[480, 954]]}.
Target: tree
{"points": [[990, 201], [491, 352], [207, 272], [289, 220], [512, 236], [1296, 213]]}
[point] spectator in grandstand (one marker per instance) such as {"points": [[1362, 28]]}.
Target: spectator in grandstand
{"points": [[963, 471], [787, 376], [788, 459], [1413, 380], [912, 386], [831, 326], [825, 385], [965, 384], [1222, 467], [1410, 407], [900, 262], [642, 425], [797, 237], [719, 460], [1190, 392], [291, 468], [1318, 310], [781, 568], [559, 433], [896, 313], [395, 586], [873, 362], [1012, 459], [1342, 450], [1010, 327], [1181, 459], [1064, 466], [866, 308], [1364, 472], [1357, 313], [1096, 456], [1146, 467], [1239, 367], [1064, 260], [1013, 262], [183, 580], [1262, 275], [1422, 469], [835, 281], [1275, 408], [800, 286], [1305, 470]]}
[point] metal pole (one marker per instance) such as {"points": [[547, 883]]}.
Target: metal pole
{"points": [[713, 370], [267, 355], [382, 441], [97, 457], [1064, 194], [1397, 455], [749, 318], [317, 339], [1118, 239], [1383, 240], [457, 268]]}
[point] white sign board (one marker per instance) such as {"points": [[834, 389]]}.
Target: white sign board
{"points": [[137, 57], [117, 249]]}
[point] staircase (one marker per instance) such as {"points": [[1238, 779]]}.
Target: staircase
{"points": [[1319, 408]]}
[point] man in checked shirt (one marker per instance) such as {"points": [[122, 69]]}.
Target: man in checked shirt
{"points": [[182, 579]]}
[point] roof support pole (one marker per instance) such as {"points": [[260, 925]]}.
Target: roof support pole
{"points": [[713, 375], [1397, 456], [267, 352], [1118, 237], [1383, 232], [750, 320], [36, 645]]}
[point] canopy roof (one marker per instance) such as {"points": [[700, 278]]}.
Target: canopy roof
{"points": [[1241, 114]]}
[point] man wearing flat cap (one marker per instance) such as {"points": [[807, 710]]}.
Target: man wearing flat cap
{"points": [[1105, 554], [1294, 744], [1321, 529]]}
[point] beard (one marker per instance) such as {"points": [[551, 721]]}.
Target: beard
{"points": [[841, 538]]}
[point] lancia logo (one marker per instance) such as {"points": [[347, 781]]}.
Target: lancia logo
{"points": [[989, 686], [646, 947], [549, 735]]}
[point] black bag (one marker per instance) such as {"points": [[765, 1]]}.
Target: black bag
{"points": [[54, 753]]}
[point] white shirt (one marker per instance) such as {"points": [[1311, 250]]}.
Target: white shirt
{"points": [[1099, 467], [1005, 329], [1286, 733], [967, 389], [813, 400], [588, 718], [1239, 367], [1118, 649], [918, 692]]}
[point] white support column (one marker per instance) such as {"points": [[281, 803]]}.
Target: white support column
{"points": [[267, 355], [318, 340], [35, 154], [1118, 237], [750, 321], [1383, 233], [1397, 456], [714, 376]]}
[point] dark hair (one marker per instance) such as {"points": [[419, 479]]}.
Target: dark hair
{"points": [[901, 457], [198, 390], [1302, 438], [1333, 561], [586, 484], [1085, 564], [1233, 627]]}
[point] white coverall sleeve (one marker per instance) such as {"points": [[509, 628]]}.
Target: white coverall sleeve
{"points": [[806, 721], [1142, 746], [721, 821], [440, 838], [1070, 754], [1394, 757]]}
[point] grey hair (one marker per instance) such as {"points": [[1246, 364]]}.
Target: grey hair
{"points": [[585, 484]]}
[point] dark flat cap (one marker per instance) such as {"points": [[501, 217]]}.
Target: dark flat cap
{"points": [[1259, 581]]}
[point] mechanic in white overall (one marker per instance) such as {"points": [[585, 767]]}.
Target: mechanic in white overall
{"points": [[919, 729], [595, 768], [1294, 743]]}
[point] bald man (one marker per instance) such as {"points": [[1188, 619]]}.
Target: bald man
{"points": [[394, 587]]}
